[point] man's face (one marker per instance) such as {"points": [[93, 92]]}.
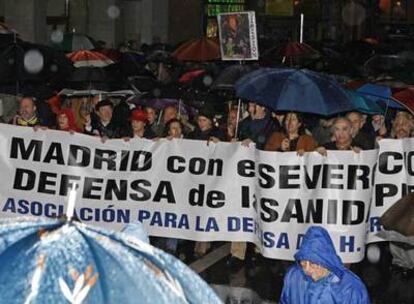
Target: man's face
{"points": [[343, 132], [357, 122], [313, 270], [169, 113], [105, 113], [27, 108]]}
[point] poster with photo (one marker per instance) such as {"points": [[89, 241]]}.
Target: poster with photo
{"points": [[238, 37]]}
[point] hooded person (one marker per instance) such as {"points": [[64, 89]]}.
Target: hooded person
{"points": [[319, 276], [66, 120]]}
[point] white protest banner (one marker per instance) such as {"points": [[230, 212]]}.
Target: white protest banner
{"points": [[394, 178], [191, 190]]}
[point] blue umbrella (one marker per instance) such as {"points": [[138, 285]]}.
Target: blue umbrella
{"points": [[295, 90], [365, 105], [53, 261], [380, 94]]}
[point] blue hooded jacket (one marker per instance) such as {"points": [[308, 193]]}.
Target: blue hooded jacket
{"points": [[340, 286]]}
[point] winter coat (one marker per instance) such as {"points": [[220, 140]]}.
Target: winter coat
{"points": [[340, 286], [258, 130], [304, 142]]}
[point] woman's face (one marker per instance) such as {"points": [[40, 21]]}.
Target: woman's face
{"points": [[175, 130], [402, 127], [63, 121], [204, 123], [137, 125], [292, 123]]}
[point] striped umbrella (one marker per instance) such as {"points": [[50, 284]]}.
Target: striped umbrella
{"points": [[85, 58]]}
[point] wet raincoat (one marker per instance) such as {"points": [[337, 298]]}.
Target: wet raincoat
{"points": [[340, 286]]}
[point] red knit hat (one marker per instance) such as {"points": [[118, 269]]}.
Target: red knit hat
{"points": [[139, 115]]}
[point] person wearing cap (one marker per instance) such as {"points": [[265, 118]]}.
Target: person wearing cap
{"points": [[138, 123], [205, 129], [319, 276], [102, 124]]}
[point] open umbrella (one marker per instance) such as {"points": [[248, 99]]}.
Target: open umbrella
{"points": [[406, 97], [290, 52], [89, 59], [400, 216], [229, 76], [384, 63], [53, 261], [201, 49], [295, 90], [404, 73], [71, 42], [365, 105], [28, 62], [379, 93]]}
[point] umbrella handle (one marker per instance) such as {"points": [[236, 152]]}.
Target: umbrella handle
{"points": [[238, 118], [70, 211]]}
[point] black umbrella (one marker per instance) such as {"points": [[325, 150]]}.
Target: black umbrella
{"points": [[108, 78], [229, 76], [378, 64], [23, 61]]}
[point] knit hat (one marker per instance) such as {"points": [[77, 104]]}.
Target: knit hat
{"points": [[139, 115], [207, 112]]}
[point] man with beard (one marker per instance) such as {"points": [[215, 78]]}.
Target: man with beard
{"points": [[27, 113]]}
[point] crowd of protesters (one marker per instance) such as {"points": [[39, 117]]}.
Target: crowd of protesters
{"points": [[257, 125], [253, 124]]}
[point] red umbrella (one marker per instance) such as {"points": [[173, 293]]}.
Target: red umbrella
{"points": [[291, 52], [406, 97], [89, 59], [201, 49], [297, 49], [188, 76]]}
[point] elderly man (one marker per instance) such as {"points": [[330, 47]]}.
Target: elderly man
{"points": [[343, 140], [362, 139], [319, 275], [27, 115]]}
